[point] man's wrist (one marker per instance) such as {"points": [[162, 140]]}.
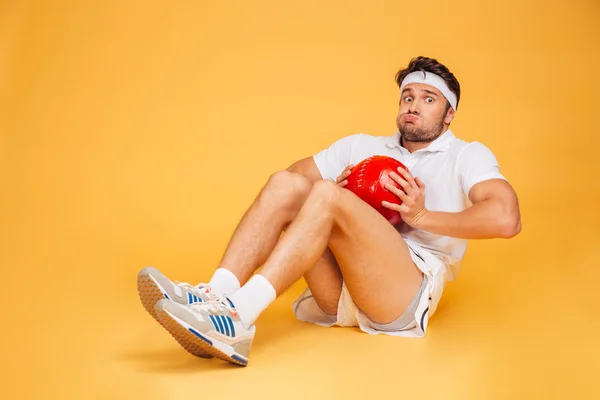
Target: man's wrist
{"points": [[421, 219]]}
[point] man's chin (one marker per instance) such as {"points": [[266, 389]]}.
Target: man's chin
{"points": [[411, 139], [410, 135]]}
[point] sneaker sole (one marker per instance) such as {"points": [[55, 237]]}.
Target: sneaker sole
{"points": [[150, 294], [185, 333]]}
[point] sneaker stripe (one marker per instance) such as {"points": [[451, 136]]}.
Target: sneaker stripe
{"points": [[212, 319], [220, 324], [166, 296], [200, 336], [231, 326], [225, 324], [190, 298]]}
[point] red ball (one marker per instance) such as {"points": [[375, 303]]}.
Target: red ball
{"points": [[368, 179]]}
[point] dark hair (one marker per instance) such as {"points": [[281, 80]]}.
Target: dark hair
{"points": [[432, 65]]}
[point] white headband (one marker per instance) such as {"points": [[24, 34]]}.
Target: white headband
{"points": [[431, 79]]}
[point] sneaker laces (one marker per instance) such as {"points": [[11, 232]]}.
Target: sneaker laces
{"points": [[201, 290], [217, 304]]}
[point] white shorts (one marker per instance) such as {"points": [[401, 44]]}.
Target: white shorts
{"points": [[421, 309]]}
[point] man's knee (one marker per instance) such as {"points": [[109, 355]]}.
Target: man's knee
{"points": [[289, 188], [326, 192]]}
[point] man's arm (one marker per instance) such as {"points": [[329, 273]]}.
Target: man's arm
{"points": [[306, 167], [494, 214]]}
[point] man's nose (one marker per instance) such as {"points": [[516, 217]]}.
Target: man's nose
{"points": [[413, 108]]}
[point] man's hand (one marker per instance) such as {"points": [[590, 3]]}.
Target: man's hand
{"points": [[341, 180], [412, 196]]}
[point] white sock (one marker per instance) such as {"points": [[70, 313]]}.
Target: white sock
{"points": [[224, 282], [253, 298]]}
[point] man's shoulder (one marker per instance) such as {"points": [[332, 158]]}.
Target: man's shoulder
{"points": [[467, 153], [467, 148]]}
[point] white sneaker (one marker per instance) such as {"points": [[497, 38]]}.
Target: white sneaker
{"points": [[214, 326], [154, 286]]}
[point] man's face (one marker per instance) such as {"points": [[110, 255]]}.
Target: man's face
{"points": [[423, 113]]}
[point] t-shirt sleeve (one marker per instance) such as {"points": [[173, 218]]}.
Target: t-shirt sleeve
{"points": [[477, 163], [332, 160]]}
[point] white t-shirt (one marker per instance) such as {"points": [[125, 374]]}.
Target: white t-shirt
{"points": [[449, 167]]}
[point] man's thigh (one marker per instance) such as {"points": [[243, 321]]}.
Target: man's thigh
{"points": [[374, 260], [325, 282]]}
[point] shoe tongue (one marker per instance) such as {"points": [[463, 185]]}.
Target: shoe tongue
{"points": [[208, 290]]}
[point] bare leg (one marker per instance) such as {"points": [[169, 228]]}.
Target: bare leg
{"points": [[373, 257], [256, 235], [325, 282], [276, 206]]}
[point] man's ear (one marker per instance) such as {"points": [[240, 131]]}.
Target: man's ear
{"points": [[449, 116]]}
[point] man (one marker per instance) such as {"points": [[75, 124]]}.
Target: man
{"points": [[360, 270]]}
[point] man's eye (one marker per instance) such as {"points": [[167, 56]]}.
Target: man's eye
{"points": [[429, 99], [408, 99]]}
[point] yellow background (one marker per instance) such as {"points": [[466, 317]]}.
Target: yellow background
{"points": [[136, 133]]}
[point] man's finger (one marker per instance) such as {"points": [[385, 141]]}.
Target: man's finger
{"points": [[391, 206], [409, 178], [421, 186], [395, 190], [395, 207], [402, 182]]}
